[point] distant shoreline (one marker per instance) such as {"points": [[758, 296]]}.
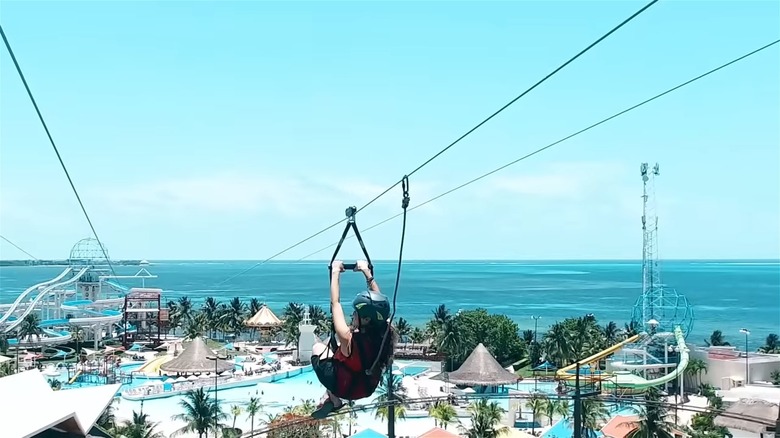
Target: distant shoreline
{"points": [[530, 261], [61, 262]]}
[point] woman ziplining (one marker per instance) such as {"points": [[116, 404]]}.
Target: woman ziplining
{"points": [[351, 366], [353, 369]]}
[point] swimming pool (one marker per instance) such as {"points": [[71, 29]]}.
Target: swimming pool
{"points": [[412, 370]]}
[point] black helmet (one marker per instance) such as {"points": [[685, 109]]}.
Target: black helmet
{"points": [[372, 305]]}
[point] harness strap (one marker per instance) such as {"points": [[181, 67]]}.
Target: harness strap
{"points": [[350, 212]]}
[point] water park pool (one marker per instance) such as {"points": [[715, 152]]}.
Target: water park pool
{"points": [[413, 370]]}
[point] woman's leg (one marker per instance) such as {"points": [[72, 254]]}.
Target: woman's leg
{"points": [[323, 352]]}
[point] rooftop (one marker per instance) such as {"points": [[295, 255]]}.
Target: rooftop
{"points": [[73, 411], [481, 368]]}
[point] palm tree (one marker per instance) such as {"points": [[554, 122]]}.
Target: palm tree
{"points": [[611, 333], [399, 397], [562, 408], [252, 409], [107, 420], [138, 427], [184, 310], [319, 319], [593, 414], [403, 329], [485, 419], [55, 384], [771, 345], [557, 345], [443, 414], [201, 414], [537, 405], [76, 334], [174, 317], [209, 311], [235, 411], [694, 370], [28, 330], [440, 315], [6, 369], [551, 409], [630, 329], [652, 421], [717, 340], [417, 336], [195, 326], [292, 316], [449, 343], [236, 316]]}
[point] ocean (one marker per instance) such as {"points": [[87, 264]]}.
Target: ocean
{"points": [[725, 295]]}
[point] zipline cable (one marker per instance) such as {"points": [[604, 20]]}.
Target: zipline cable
{"points": [[508, 104], [19, 248], [606, 398], [54, 146], [469, 132], [581, 131]]}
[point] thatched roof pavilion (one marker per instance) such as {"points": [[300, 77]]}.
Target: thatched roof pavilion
{"points": [[750, 408], [264, 318], [481, 369], [195, 359]]}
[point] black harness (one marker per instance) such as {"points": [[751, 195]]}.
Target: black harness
{"points": [[365, 361]]}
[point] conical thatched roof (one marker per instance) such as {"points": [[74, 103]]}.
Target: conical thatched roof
{"points": [[481, 368], [263, 318], [195, 359], [749, 408]]}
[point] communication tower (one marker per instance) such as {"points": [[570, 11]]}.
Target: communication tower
{"points": [[659, 308]]}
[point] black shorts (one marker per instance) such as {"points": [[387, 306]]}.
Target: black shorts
{"points": [[325, 369]]}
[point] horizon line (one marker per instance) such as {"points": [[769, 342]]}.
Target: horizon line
{"points": [[776, 260]]}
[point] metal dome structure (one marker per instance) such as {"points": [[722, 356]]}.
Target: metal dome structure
{"points": [[88, 251], [662, 309]]}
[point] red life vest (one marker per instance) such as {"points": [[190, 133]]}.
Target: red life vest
{"points": [[352, 382]]}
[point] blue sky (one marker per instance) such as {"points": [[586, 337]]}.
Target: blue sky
{"points": [[232, 130]]}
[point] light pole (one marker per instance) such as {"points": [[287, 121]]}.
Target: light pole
{"points": [[535, 346], [216, 360], [746, 332], [676, 351]]}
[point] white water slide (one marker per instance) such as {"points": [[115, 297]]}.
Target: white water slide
{"points": [[29, 291], [41, 295]]}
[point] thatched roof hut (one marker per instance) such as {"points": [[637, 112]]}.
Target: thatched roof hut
{"points": [[195, 359], [762, 409], [264, 318], [481, 368]]}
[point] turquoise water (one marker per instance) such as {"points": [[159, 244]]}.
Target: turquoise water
{"points": [[726, 295], [125, 369]]}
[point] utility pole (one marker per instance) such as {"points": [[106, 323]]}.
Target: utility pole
{"points": [[577, 404], [391, 399]]}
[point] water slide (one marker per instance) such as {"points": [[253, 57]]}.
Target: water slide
{"points": [[639, 386], [41, 295], [29, 291], [75, 376], [564, 373], [153, 366]]}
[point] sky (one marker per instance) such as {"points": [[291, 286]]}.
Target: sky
{"points": [[217, 130]]}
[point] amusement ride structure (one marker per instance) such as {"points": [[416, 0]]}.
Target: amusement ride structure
{"points": [[86, 295], [657, 354]]}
